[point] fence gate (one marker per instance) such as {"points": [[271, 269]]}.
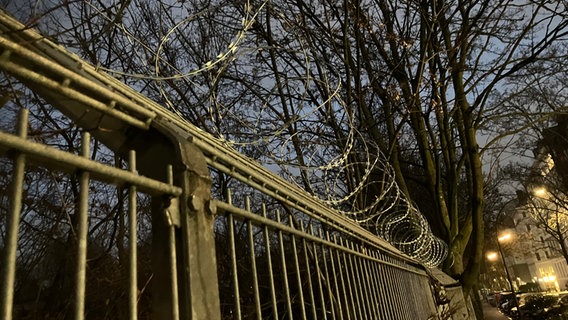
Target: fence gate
{"points": [[132, 230]]}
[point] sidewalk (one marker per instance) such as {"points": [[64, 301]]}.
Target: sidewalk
{"points": [[492, 313]]}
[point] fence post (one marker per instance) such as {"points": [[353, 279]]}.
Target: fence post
{"points": [[199, 289], [182, 228]]}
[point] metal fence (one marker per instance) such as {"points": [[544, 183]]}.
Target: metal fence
{"points": [[262, 249]]}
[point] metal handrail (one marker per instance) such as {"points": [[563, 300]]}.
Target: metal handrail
{"points": [[67, 162]]}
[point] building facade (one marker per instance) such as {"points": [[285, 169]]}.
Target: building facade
{"points": [[534, 255]]}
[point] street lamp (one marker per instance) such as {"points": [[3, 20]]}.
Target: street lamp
{"points": [[505, 237], [492, 256], [539, 192]]}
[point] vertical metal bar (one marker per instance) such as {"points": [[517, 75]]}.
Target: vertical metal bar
{"points": [[174, 275], [349, 290], [423, 296], [366, 283], [326, 278], [385, 285], [236, 294], [400, 291], [335, 283], [415, 290], [415, 286], [284, 269], [403, 287], [308, 273], [13, 223], [357, 279], [392, 283], [351, 285], [340, 268], [428, 298], [173, 255], [365, 273], [374, 285], [360, 285], [298, 275], [133, 243], [417, 294], [253, 264], [401, 281], [81, 234], [391, 287], [269, 260], [411, 291], [377, 286], [318, 274]]}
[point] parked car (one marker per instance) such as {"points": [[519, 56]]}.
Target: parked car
{"points": [[559, 311], [537, 306], [506, 303]]}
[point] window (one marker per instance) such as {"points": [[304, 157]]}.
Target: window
{"points": [[528, 227], [537, 256], [547, 254], [524, 214]]}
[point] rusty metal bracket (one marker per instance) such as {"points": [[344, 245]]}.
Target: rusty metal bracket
{"points": [[171, 212]]}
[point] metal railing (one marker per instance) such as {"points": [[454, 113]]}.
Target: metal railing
{"points": [[24, 152], [311, 270], [269, 251]]}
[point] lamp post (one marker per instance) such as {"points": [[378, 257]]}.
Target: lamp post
{"points": [[505, 237]]}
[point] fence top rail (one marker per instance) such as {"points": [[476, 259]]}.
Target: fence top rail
{"points": [[304, 230], [20, 45]]}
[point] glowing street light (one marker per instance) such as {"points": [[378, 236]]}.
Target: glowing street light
{"points": [[539, 192], [505, 237]]}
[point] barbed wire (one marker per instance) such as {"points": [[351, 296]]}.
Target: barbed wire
{"points": [[389, 213]]}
